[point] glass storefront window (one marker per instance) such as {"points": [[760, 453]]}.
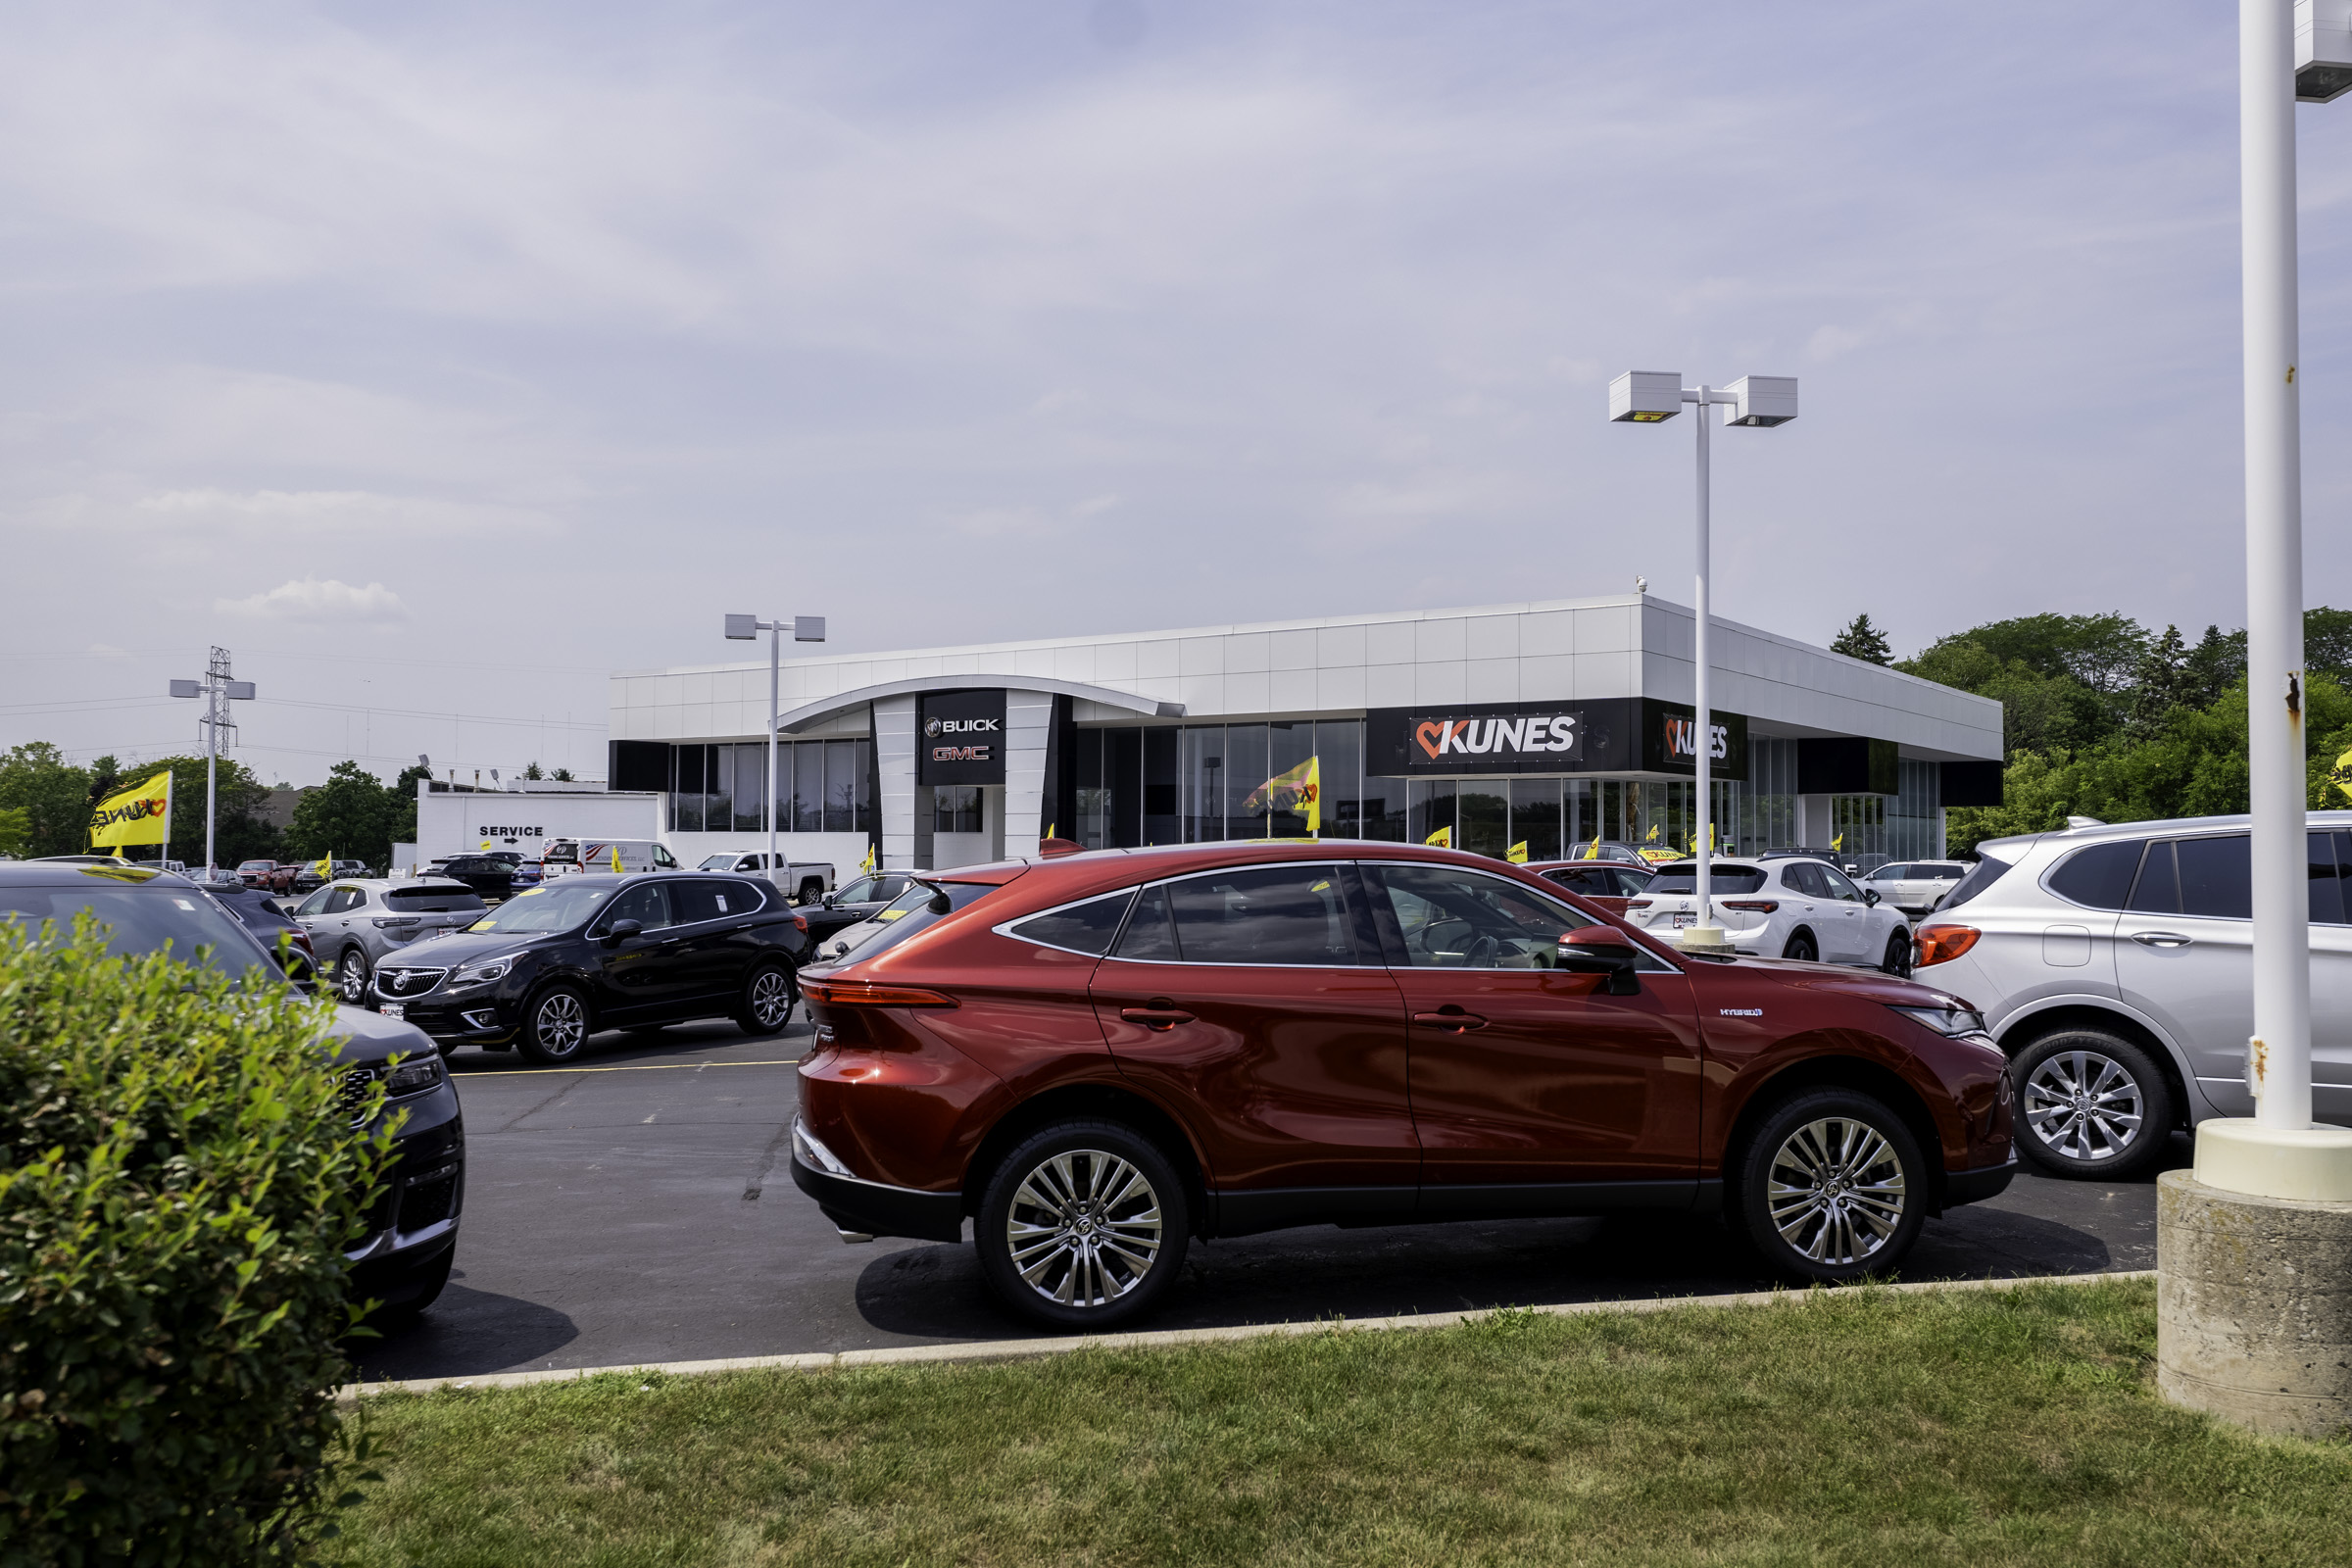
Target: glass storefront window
{"points": [[1288, 746], [955, 808], [719, 802], [843, 777], [750, 785], [1536, 816], [1200, 771], [1482, 815], [1429, 808], [1161, 821], [1340, 743], [809, 786], [1244, 770]]}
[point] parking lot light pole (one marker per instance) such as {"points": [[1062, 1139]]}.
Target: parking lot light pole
{"points": [[1652, 397], [215, 689], [803, 629]]}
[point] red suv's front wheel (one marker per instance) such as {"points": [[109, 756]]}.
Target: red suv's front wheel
{"points": [[1832, 1186], [1083, 1226]]}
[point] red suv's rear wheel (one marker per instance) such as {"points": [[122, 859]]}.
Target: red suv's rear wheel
{"points": [[1832, 1186], [1083, 1226]]}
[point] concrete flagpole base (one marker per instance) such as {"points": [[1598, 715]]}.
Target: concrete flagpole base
{"points": [[2254, 1288], [1703, 939]]}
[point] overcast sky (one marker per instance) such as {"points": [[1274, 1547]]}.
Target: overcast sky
{"points": [[438, 359]]}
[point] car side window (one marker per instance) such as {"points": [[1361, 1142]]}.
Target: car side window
{"points": [[1149, 937], [661, 858], [1287, 915], [2158, 890], [316, 904], [1087, 927], [1891, 871], [711, 899], [342, 901], [2217, 877], [2097, 876], [2327, 884], [1840, 888], [646, 904], [1797, 877], [1455, 919]]}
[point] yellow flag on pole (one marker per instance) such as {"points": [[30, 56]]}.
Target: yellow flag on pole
{"points": [[1593, 849], [1518, 853], [325, 866], [2341, 774], [867, 864], [1837, 844], [616, 867], [1443, 838], [1296, 789], [139, 815]]}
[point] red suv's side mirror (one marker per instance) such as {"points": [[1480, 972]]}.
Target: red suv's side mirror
{"points": [[1601, 949]]}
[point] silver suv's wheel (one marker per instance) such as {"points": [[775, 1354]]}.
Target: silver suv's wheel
{"points": [[557, 1026], [767, 1000], [1832, 1186], [1084, 1225], [351, 976], [2091, 1106]]}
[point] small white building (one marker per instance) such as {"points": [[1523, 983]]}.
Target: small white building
{"points": [[1543, 724]]}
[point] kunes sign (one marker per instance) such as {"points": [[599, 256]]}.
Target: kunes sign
{"points": [[962, 738], [1606, 735]]}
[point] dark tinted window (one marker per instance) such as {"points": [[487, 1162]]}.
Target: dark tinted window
{"points": [[1803, 876], [2158, 890], [1721, 879], [711, 899], [1581, 879], [646, 904], [1148, 937], [433, 900], [2327, 886], [1892, 871], [2217, 877], [2097, 876], [1082, 927], [1983, 874], [138, 921], [345, 899], [920, 916], [1274, 914]]}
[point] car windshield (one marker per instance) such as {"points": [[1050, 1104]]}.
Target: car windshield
{"points": [[719, 862], [1721, 879], [562, 907], [139, 920]]}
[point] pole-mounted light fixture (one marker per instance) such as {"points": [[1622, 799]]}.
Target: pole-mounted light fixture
{"points": [[747, 628]]}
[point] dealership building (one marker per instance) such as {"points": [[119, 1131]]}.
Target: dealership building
{"points": [[1544, 725]]}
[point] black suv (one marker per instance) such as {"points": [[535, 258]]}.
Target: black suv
{"points": [[411, 1237], [492, 876], [555, 963]]}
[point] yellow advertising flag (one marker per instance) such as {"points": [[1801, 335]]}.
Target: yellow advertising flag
{"points": [[616, 867], [325, 866], [1837, 844], [1518, 853], [486, 845], [139, 815], [1296, 789], [867, 864], [1593, 849], [2341, 774], [1650, 837], [1443, 838]]}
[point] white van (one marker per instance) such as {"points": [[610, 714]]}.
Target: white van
{"points": [[566, 856]]}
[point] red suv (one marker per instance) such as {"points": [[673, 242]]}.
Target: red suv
{"points": [[1098, 1056]]}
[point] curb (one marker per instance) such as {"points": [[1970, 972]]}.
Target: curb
{"points": [[989, 1350]]}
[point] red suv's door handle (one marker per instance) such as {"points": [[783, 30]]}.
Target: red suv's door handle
{"points": [[1455, 1019], [1162, 1018]]}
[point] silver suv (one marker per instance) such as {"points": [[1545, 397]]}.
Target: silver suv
{"points": [[2115, 966], [354, 924]]}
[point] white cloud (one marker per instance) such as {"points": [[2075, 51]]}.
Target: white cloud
{"points": [[308, 599]]}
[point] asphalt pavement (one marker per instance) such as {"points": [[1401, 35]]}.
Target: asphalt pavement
{"points": [[638, 1207]]}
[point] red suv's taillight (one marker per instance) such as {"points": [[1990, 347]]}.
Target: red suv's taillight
{"points": [[1941, 944], [866, 993]]}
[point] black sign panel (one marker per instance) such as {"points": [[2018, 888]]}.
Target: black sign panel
{"points": [[960, 737], [1606, 735], [1498, 737], [1670, 740]]}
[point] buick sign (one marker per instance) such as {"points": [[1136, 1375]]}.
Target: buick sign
{"points": [[962, 738]]}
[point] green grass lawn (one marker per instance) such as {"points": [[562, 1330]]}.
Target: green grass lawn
{"points": [[1858, 1427]]}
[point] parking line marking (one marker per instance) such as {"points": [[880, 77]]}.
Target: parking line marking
{"points": [[648, 1067]]}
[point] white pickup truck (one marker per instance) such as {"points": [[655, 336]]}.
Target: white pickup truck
{"points": [[806, 881]]}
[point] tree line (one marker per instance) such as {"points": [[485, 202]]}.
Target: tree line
{"points": [[46, 802], [2105, 717]]}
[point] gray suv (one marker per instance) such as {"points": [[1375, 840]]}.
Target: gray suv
{"points": [[2115, 966], [355, 924]]}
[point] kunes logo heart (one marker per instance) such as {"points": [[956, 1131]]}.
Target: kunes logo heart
{"points": [[1488, 737]]}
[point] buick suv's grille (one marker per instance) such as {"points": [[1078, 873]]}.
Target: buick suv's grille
{"points": [[351, 1095], [400, 981]]}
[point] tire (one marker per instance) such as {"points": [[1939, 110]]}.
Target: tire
{"points": [[1899, 953], [2091, 1106], [1044, 1187], [351, 977], [1802, 947], [811, 892], [1832, 1186], [555, 1028], [769, 994]]}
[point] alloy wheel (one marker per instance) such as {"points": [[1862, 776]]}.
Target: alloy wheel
{"points": [[2084, 1105], [559, 1025], [1837, 1192], [771, 998], [351, 977], [1084, 1228]]}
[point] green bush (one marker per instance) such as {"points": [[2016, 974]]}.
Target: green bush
{"points": [[177, 1182]]}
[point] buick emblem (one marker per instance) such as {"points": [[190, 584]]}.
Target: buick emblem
{"points": [[932, 729]]}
